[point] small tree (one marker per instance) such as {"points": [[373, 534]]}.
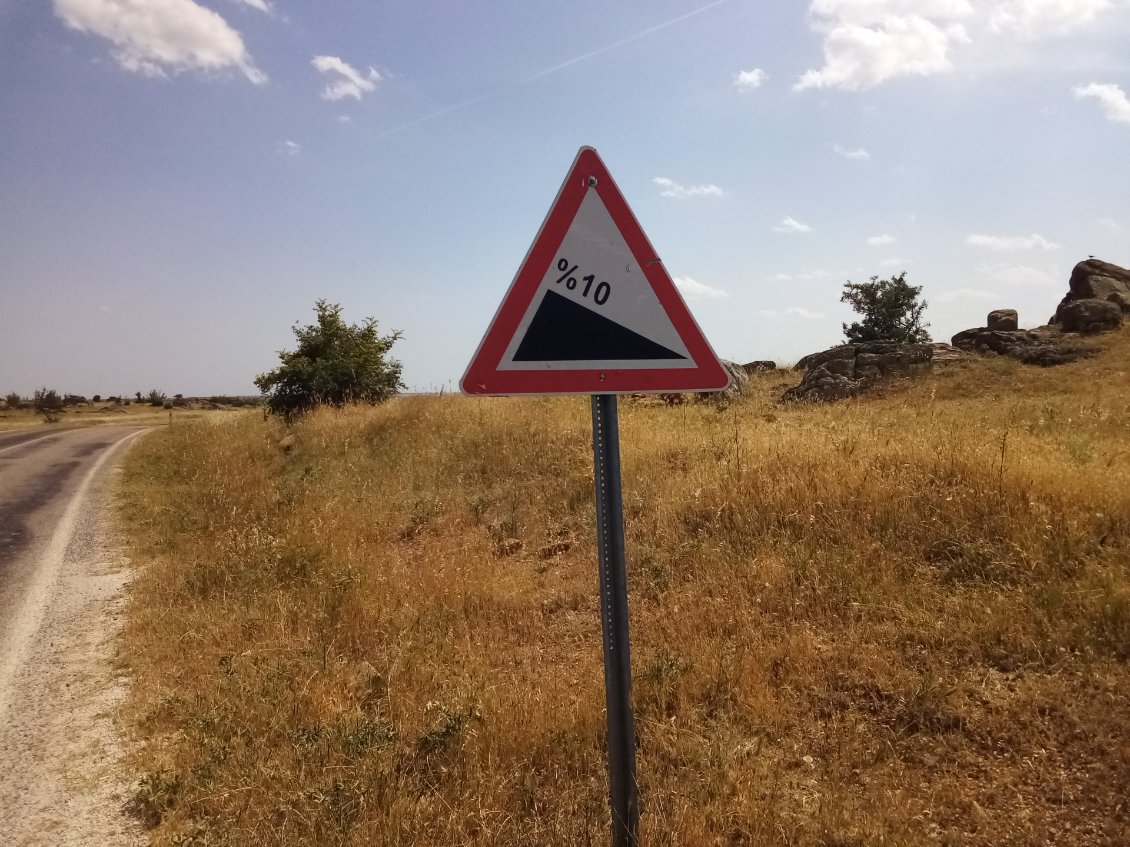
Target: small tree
{"points": [[156, 397], [48, 403], [14, 400], [891, 311], [335, 363]]}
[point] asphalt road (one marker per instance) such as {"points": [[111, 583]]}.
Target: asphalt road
{"points": [[62, 580]]}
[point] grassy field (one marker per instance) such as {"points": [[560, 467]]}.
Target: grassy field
{"points": [[899, 620], [16, 420]]}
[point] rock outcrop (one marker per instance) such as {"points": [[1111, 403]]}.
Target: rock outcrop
{"points": [[1089, 316], [1097, 299], [739, 380], [759, 366], [947, 354], [851, 369], [1005, 320], [1094, 279], [1044, 346]]}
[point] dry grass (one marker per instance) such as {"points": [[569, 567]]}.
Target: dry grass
{"points": [[16, 420], [901, 620]]}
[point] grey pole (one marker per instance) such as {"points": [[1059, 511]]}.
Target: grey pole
{"points": [[614, 622]]}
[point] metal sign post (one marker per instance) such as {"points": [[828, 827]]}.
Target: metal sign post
{"points": [[592, 310], [614, 622]]}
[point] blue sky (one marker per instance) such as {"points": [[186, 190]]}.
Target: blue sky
{"points": [[180, 180]]}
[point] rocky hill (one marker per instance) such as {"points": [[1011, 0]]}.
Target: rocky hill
{"points": [[1097, 301]]}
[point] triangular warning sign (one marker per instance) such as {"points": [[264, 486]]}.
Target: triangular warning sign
{"points": [[592, 310]]}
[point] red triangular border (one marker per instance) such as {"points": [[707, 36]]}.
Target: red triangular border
{"points": [[483, 376]]}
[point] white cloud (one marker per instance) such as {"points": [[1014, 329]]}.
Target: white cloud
{"points": [[261, 5], [670, 188], [867, 42], [157, 37], [791, 225], [695, 290], [1011, 242], [1045, 17], [1021, 275], [1112, 100], [749, 80], [791, 312], [964, 294], [798, 312], [289, 148], [859, 154], [802, 276], [1109, 223], [879, 240], [873, 11], [892, 262], [350, 82]]}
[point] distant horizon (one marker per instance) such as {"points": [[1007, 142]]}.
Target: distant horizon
{"points": [[781, 363]]}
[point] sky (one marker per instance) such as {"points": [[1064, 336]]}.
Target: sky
{"points": [[181, 180]]}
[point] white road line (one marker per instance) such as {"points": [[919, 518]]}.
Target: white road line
{"points": [[28, 619], [26, 443]]}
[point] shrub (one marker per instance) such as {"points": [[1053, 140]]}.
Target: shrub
{"points": [[335, 363], [48, 403], [891, 310], [156, 398], [14, 400]]}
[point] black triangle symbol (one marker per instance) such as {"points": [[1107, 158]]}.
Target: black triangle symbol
{"points": [[563, 331]]}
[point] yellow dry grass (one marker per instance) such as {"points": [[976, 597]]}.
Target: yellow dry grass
{"points": [[900, 620], [17, 420]]}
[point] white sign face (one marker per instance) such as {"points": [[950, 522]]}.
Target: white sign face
{"points": [[595, 304]]}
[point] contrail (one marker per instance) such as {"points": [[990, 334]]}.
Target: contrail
{"points": [[445, 110], [599, 51], [622, 41]]}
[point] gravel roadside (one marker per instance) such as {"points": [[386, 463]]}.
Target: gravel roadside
{"points": [[61, 755]]}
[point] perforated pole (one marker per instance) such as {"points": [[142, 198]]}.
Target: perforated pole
{"points": [[614, 622]]}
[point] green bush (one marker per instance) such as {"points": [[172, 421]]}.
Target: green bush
{"points": [[890, 308], [335, 363]]}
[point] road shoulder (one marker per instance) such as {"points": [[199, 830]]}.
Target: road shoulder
{"points": [[61, 753]]}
